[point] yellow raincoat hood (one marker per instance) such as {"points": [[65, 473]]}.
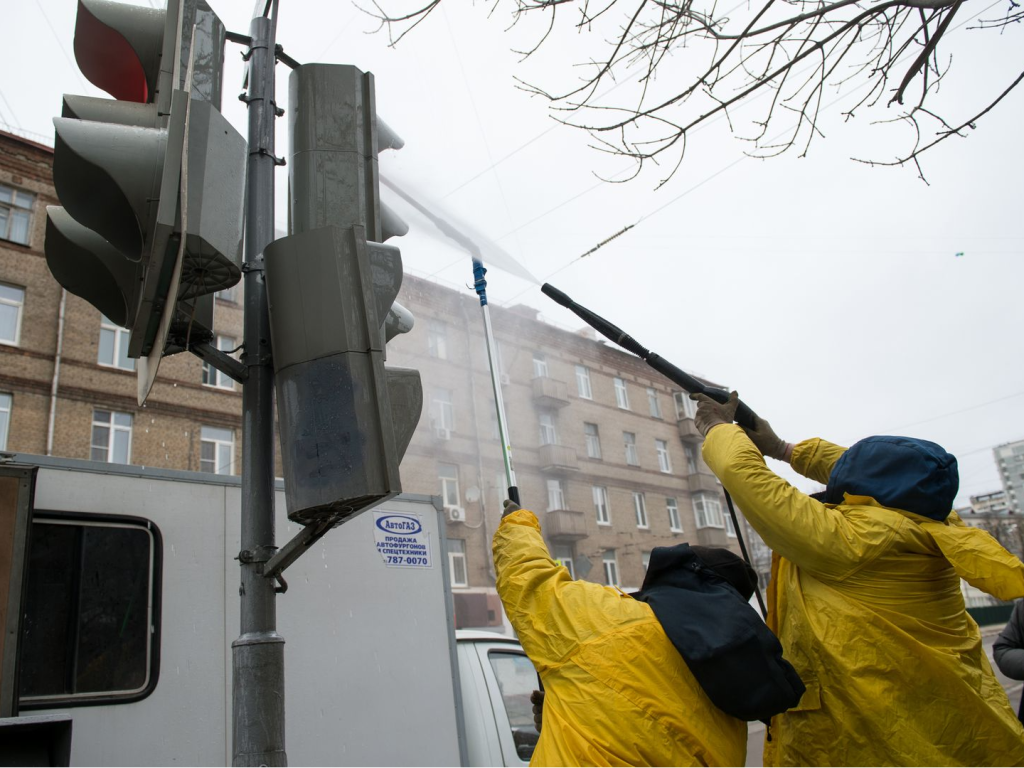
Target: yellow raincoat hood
{"points": [[617, 691], [866, 601]]}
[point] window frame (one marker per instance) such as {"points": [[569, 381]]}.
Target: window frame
{"points": [[689, 407], [453, 557], [583, 378], [595, 491], [675, 521], [653, 403], [220, 380], [112, 427], [700, 500], [109, 326], [565, 562], [5, 432], [664, 459], [14, 206], [548, 428], [627, 445], [555, 491], [540, 366], [621, 393], [609, 573], [442, 411], [155, 616], [640, 509], [437, 339], [592, 441], [444, 487], [216, 446], [19, 316]]}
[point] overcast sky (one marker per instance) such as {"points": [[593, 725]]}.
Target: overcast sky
{"points": [[827, 292]]}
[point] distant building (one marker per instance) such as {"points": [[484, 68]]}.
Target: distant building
{"points": [[990, 512], [1010, 460], [605, 449]]}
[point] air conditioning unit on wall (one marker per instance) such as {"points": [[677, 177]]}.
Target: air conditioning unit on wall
{"points": [[457, 514], [442, 433], [504, 378]]}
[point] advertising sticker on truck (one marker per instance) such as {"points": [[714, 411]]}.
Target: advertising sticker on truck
{"points": [[401, 540]]}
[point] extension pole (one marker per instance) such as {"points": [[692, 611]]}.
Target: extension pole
{"points": [[480, 285], [258, 653]]}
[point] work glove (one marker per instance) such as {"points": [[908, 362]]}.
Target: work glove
{"points": [[767, 442], [537, 699], [711, 413], [509, 507]]}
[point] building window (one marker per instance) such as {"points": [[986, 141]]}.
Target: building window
{"points": [[691, 458], [664, 462], [111, 437], [563, 556], [675, 524], [556, 495], [114, 346], [5, 418], [437, 339], [621, 394], [548, 435], [449, 476], [91, 627], [229, 294], [685, 407], [653, 403], [707, 510], [583, 383], [645, 558], [211, 376], [217, 451], [442, 412], [730, 529], [629, 439], [604, 515], [611, 568], [540, 366], [15, 214], [457, 562], [640, 507], [12, 299], [593, 440]]}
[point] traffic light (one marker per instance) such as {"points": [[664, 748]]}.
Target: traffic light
{"points": [[120, 168], [345, 419]]}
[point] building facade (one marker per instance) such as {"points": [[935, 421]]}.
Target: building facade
{"points": [[605, 449], [1010, 460]]}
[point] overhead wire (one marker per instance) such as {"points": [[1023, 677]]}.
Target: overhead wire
{"points": [[60, 43]]}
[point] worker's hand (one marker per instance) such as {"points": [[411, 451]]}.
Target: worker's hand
{"points": [[537, 699], [767, 442], [509, 507], [711, 413]]}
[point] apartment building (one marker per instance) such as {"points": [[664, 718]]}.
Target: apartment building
{"points": [[605, 449], [1010, 460]]}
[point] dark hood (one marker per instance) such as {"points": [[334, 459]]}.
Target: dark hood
{"points": [[899, 472], [730, 651]]}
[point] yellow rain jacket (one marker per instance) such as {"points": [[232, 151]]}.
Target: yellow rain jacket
{"points": [[867, 603], [617, 691]]}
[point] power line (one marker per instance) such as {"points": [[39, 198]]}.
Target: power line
{"points": [[60, 43]]}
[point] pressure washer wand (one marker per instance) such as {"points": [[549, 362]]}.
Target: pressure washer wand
{"points": [[744, 415]]}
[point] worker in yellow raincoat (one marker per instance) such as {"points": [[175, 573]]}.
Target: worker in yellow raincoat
{"points": [[618, 691], [865, 597]]}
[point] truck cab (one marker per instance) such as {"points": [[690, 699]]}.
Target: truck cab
{"points": [[496, 679]]}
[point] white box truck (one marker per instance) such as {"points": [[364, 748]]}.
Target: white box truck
{"points": [[130, 606]]}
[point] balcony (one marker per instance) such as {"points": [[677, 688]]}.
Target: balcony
{"points": [[557, 458], [712, 537], [688, 430], [550, 393], [565, 525], [702, 481]]}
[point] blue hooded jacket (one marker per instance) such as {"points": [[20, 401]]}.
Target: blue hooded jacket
{"points": [[899, 472]]}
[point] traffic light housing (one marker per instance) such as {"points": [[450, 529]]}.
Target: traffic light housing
{"points": [[120, 167], [345, 418]]}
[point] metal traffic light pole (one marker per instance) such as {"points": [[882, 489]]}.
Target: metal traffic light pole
{"points": [[258, 653]]}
